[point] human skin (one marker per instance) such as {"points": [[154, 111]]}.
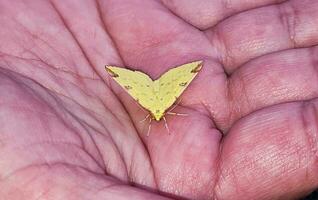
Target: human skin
{"points": [[68, 131]]}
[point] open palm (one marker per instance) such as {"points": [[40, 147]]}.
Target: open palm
{"points": [[68, 131]]}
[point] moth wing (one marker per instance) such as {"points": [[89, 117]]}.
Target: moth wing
{"points": [[175, 81], [136, 83]]}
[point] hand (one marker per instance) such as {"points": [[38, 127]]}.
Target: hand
{"points": [[68, 131]]}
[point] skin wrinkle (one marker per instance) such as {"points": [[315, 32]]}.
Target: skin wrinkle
{"points": [[69, 98], [107, 187], [315, 139], [307, 109], [26, 167], [176, 16], [85, 108], [130, 172], [70, 113], [115, 45], [231, 105], [76, 40], [37, 38], [235, 109], [206, 112], [61, 142], [57, 166], [220, 45], [167, 39], [29, 110], [58, 69], [115, 185], [50, 89], [218, 171], [313, 52], [57, 142], [156, 184], [228, 11], [246, 97], [287, 16], [84, 124]]}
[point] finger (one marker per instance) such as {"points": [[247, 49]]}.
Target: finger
{"points": [[204, 14], [271, 154], [272, 79], [269, 29]]}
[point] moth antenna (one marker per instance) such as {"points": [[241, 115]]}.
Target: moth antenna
{"points": [[141, 121], [178, 114], [166, 125], [149, 127]]}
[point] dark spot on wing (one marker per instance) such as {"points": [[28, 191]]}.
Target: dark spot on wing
{"points": [[183, 84], [111, 73], [197, 68], [157, 111], [148, 85], [128, 87]]}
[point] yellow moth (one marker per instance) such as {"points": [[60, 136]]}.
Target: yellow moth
{"points": [[157, 96]]}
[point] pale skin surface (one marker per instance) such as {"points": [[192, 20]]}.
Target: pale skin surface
{"points": [[67, 131]]}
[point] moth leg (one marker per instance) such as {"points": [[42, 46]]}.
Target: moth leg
{"points": [[178, 114], [149, 127], [173, 107], [144, 118], [166, 125]]}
